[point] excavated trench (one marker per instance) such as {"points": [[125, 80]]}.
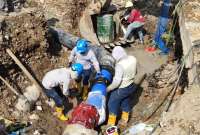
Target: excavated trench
{"points": [[26, 34]]}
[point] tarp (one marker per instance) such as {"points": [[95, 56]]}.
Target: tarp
{"points": [[162, 26]]}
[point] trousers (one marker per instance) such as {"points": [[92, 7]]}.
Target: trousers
{"points": [[132, 27], [120, 98]]}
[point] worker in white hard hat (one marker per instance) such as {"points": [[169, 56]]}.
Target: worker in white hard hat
{"points": [[135, 22], [122, 86], [60, 77]]}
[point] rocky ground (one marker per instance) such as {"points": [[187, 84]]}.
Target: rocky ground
{"points": [[183, 116], [26, 34]]}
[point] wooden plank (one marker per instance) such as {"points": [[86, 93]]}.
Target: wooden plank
{"points": [[9, 86], [22, 67]]}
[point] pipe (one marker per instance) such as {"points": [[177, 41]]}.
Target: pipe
{"points": [[92, 112], [68, 40], [97, 95]]}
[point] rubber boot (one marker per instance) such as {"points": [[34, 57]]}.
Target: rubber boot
{"points": [[60, 115], [111, 120], [122, 124], [85, 92], [63, 117]]}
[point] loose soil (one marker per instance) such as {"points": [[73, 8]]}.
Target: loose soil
{"points": [[26, 34]]}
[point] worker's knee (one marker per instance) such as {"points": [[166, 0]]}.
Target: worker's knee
{"points": [[55, 96]]}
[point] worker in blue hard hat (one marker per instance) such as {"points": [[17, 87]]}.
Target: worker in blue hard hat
{"points": [[82, 53], [61, 77]]}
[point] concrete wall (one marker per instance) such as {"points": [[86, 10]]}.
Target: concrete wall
{"points": [[189, 21]]}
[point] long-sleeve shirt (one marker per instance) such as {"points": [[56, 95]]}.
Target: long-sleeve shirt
{"points": [[125, 71], [135, 15], [117, 79], [87, 60], [57, 77]]}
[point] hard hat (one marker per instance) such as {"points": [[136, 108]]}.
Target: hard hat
{"points": [[77, 67], [82, 46], [129, 4]]}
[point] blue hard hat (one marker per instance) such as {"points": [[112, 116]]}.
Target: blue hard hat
{"points": [[77, 67], [82, 46]]}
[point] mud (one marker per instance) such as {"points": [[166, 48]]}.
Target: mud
{"points": [[25, 33]]}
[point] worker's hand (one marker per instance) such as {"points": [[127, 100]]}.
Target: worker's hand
{"points": [[69, 64], [108, 90]]}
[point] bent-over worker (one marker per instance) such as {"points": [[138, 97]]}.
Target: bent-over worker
{"points": [[135, 21], [62, 76]]}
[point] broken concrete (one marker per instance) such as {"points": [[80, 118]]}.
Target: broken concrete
{"points": [[189, 18], [32, 93], [183, 117], [23, 104]]}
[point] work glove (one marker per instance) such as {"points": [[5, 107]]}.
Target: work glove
{"points": [[69, 64]]}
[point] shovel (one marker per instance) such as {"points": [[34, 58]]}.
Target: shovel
{"points": [[22, 103]]}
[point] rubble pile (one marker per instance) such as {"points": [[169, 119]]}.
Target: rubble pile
{"points": [[183, 117], [162, 77], [156, 88]]}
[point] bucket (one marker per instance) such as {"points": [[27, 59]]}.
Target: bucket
{"points": [[105, 28]]}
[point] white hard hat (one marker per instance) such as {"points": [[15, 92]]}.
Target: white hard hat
{"points": [[129, 4]]}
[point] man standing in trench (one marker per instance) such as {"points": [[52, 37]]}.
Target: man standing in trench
{"points": [[83, 54], [121, 87]]}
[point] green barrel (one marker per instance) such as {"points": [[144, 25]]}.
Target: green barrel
{"points": [[105, 28]]}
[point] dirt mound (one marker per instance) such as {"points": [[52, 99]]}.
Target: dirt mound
{"points": [[63, 14], [25, 33], [183, 118]]}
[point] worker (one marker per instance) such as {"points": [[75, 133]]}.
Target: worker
{"points": [[83, 54], [121, 87], [135, 21], [62, 76]]}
